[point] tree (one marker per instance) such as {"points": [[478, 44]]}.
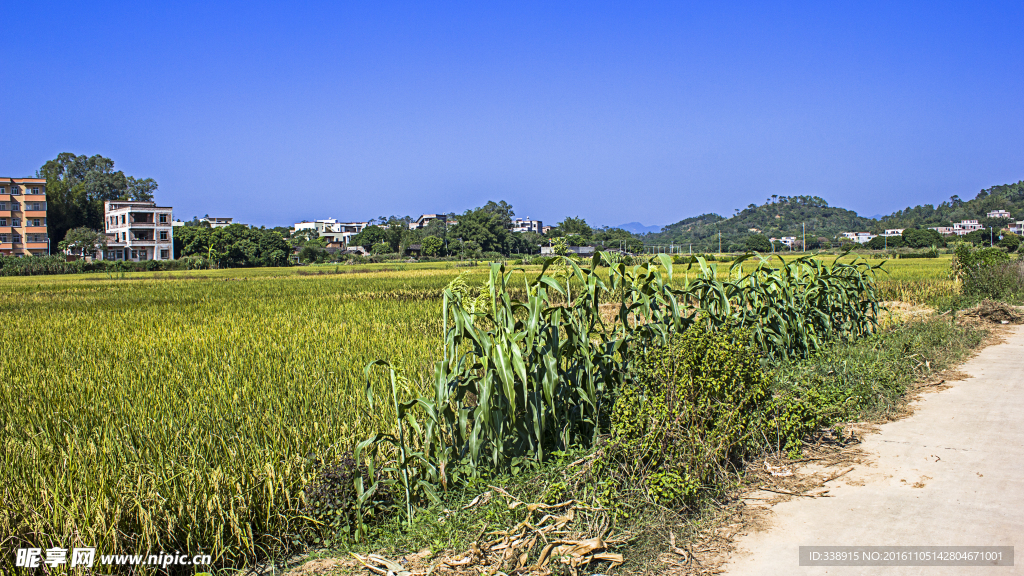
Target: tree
{"points": [[917, 238], [1010, 241], [486, 229], [307, 237], [77, 186], [232, 246], [368, 237], [883, 242], [572, 225], [432, 245], [502, 210], [83, 242], [757, 243], [575, 240]]}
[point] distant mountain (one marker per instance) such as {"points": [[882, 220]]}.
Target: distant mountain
{"points": [[794, 215], [780, 216], [1008, 197], [638, 228]]}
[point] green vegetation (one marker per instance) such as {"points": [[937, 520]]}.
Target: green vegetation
{"points": [[76, 187], [778, 216], [231, 246], [683, 429], [218, 409], [1009, 197], [988, 273], [189, 410], [522, 378]]}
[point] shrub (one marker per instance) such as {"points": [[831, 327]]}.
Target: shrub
{"points": [[332, 503], [688, 408], [987, 273]]}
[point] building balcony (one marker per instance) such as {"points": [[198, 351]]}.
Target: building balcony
{"points": [[33, 197], [36, 245], [5, 213], [6, 246], [35, 229], [35, 213]]}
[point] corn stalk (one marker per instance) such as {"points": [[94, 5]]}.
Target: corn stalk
{"points": [[522, 378]]}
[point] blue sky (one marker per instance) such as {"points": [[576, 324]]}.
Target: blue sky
{"points": [[617, 112]]}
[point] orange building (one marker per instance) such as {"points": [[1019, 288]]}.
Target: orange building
{"points": [[23, 217]]}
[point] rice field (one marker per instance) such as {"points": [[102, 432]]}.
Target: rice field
{"points": [[187, 410]]}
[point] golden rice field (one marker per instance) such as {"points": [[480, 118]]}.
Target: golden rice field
{"points": [[187, 410]]}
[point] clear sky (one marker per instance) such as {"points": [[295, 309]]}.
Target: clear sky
{"points": [[614, 111]]}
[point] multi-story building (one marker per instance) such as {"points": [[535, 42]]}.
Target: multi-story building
{"points": [[859, 237], [999, 214], [965, 227], [337, 233], [23, 217], [423, 220], [527, 225], [217, 222], [893, 232], [138, 231]]}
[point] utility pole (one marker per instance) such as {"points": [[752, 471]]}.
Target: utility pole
{"points": [[719, 241], [803, 228]]}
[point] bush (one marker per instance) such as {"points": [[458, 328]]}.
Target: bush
{"points": [[689, 408], [987, 273], [331, 505]]}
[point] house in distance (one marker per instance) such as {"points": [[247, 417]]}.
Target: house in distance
{"points": [[138, 231]]}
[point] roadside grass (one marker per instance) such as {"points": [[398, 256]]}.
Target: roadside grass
{"points": [[863, 380], [190, 408]]}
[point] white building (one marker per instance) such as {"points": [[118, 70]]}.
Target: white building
{"points": [[999, 214], [579, 250], [893, 232], [335, 232], [1017, 227], [859, 237], [965, 227], [217, 222], [787, 240], [138, 231], [527, 225]]}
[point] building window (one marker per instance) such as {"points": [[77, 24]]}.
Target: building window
{"points": [[120, 254], [15, 207], [5, 238], [3, 206], [122, 218], [15, 221], [35, 190], [3, 221], [164, 254], [163, 235], [163, 218]]}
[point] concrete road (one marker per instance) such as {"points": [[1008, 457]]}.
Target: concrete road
{"points": [[952, 474]]}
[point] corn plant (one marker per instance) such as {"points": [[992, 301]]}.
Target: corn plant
{"points": [[521, 378]]}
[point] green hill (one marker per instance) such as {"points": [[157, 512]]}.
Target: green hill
{"points": [[780, 216], [1009, 197], [784, 216]]}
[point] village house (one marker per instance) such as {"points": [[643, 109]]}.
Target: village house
{"points": [[138, 231]]}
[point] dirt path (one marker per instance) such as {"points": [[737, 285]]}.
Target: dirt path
{"points": [[952, 474]]}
